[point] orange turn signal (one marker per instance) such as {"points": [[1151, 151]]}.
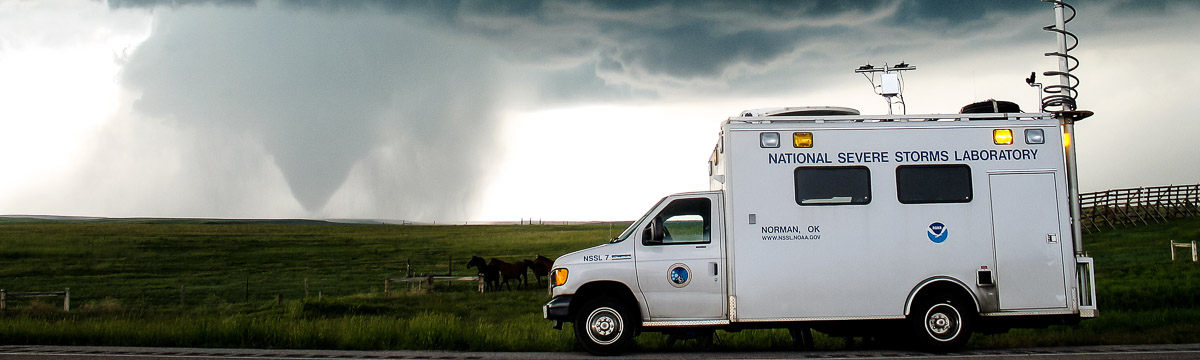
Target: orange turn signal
{"points": [[1002, 136]]}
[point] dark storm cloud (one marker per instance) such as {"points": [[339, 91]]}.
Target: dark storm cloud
{"points": [[1151, 7], [678, 39], [580, 82], [119, 4], [681, 40], [390, 87], [700, 50], [955, 13]]}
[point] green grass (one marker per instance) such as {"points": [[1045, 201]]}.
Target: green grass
{"points": [[411, 321], [1134, 269], [125, 279], [147, 264]]}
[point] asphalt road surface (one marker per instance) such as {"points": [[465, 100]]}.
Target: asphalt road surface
{"points": [[30, 352]]}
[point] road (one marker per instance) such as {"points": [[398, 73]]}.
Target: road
{"points": [[26, 352]]}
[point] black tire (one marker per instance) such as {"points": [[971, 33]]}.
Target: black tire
{"points": [[941, 324], [604, 326], [802, 338]]}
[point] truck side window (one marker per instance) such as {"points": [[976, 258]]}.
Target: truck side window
{"points": [[931, 184], [833, 185], [683, 221]]}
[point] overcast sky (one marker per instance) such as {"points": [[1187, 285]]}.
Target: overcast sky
{"points": [[455, 111]]}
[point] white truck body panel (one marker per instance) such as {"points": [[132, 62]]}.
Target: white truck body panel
{"points": [[825, 262]]}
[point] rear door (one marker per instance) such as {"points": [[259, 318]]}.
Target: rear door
{"points": [[679, 265], [1029, 268]]}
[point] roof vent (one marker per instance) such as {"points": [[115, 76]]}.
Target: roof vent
{"points": [[802, 111], [991, 106]]}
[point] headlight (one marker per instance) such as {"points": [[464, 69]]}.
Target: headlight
{"points": [[560, 276]]}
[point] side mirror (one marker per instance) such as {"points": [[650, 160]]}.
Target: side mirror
{"points": [[653, 234]]}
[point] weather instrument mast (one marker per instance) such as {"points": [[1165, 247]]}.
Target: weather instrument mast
{"points": [[891, 82], [1060, 100]]}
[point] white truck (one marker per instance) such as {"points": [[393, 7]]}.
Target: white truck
{"points": [[929, 227]]}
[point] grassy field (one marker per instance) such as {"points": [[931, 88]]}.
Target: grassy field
{"points": [[217, 284]]}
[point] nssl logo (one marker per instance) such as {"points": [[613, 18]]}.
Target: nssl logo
{"points": [[679, 275], [937, 232]]}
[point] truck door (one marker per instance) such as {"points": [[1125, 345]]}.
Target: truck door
{"points": [[1025, 216], [679, 266]]}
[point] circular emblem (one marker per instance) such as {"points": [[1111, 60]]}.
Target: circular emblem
{"points": [[679, 275], [937, 232]]}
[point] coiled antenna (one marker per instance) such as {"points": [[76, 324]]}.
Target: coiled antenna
{"points": [[1064, 94]]}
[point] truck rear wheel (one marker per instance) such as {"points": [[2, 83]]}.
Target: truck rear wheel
{"points": [[603, 326], [941, 324]]}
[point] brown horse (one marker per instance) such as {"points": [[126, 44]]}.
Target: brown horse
{"points": [[490, 274], [540, 267], [510, 271]]}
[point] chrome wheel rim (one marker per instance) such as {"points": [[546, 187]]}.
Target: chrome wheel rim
{"points": [[943, 322], [605, 326]]}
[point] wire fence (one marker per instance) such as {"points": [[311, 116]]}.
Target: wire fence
{"points": [[1111, 209]]}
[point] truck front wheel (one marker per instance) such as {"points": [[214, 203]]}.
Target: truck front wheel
{"points": [[603, 326], [941, 324]]}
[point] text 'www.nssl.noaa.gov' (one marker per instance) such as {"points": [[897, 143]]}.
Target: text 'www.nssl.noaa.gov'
{"points": [[791, 232]]}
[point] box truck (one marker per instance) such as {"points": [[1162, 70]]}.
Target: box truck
{"points": [[922, 227]]}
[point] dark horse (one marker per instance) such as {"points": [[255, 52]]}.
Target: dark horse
{"points": [[490, 274], [540, 267], [510, 271]]}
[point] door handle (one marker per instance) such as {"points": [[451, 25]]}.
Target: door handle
{"points": [[714, 267]]}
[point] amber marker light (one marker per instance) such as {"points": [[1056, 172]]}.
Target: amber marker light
{"points": [[1002, 136], [560, 276], [802, 140]]}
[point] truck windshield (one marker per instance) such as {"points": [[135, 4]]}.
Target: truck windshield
{"points": [[636, 224]]}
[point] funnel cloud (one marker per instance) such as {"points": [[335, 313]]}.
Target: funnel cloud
{"points": [[322, 92]]}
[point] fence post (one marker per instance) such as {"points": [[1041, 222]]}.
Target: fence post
{"points": [[3, 299], [1172, 250], [387, 281], [67, 300], [1194, 257], [305, 287]]}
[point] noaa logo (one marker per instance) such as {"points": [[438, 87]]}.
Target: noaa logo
{"points": [[938, 232], [679, 275]]}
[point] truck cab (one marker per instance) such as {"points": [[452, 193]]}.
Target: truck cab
{"points": [[676, 279]]}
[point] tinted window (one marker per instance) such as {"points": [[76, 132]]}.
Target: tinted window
{"points": [[924, 184], [833, 185]]}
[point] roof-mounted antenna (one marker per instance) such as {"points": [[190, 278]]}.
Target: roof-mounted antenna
{"points": [[1063, 94], [891, 82]]}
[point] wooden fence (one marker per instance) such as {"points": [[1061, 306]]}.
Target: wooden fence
{"points": [[5, 295], [429, 281], [1110, 209]]}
